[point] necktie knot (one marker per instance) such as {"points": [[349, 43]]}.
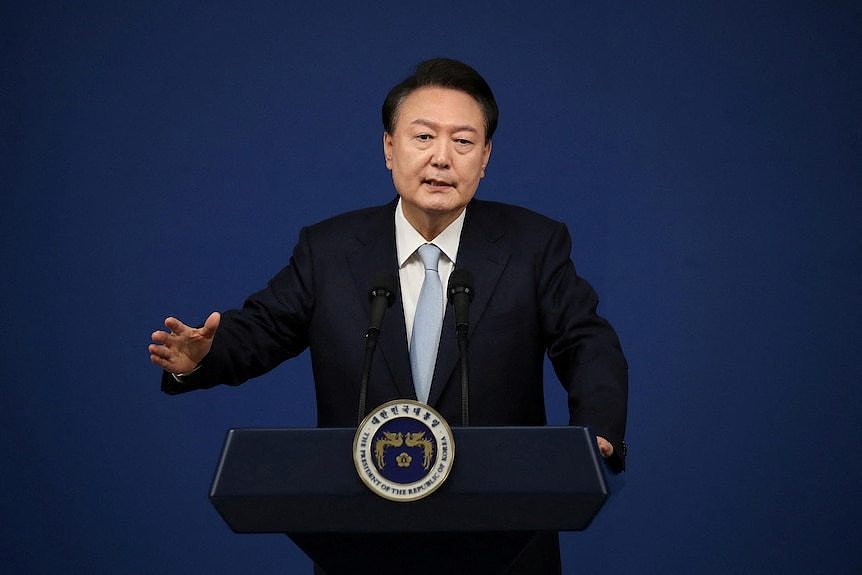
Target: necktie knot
{"points": [[430, 255]]}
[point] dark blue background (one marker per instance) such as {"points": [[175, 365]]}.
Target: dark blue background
{"points": [[160, 157]]}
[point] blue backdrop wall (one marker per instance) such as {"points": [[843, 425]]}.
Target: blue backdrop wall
{"points": [[160, 158]]}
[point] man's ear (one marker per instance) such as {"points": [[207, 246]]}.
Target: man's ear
{"points": [[486, 158], [387, 149]]}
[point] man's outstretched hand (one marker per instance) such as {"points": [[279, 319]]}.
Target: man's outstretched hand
{"points": [[182, 348]]}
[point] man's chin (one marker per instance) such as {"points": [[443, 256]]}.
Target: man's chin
{"points": [[435, 204], [441, 208]]}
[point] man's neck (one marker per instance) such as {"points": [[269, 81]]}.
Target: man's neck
{"points": [[430, 225]]}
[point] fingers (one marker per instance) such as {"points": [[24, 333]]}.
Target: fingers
{"points": [[181, 348], [175, 325], [158, 351], [162, 352], [606, 448], [179, 328], [211, 325], [162, 356], [160, 337], [169, 359]]}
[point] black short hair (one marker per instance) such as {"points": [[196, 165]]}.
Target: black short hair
{"points": [[443, 73]]}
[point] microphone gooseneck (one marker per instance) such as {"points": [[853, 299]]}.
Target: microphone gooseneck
{"points": [[381, 296], [461, 294]]}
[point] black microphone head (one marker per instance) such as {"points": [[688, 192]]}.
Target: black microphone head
{"points": [[461, 281], [383, 285]]}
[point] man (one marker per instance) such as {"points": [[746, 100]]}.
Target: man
{"points": [[438, 128]]}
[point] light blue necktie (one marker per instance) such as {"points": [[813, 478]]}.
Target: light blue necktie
{"points": [[427, 323]]}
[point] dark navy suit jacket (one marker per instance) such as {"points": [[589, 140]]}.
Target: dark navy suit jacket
{"points": [[528, 301]]}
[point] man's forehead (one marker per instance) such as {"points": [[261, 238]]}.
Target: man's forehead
{"points": [[439, 107]]}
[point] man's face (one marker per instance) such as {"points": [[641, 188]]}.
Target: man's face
{"points": [[437, 154]]}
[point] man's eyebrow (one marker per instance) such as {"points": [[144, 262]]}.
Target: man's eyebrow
{"points": [[435, 125]]}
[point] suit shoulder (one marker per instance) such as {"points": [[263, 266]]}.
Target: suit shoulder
{"points": [[348, 223], [511, 216]]}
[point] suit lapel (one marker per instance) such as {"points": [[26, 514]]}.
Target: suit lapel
{"points": [[376, 247], [484, 252]]}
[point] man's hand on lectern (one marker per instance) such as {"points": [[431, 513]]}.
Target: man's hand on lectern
{"points": [[605, 447]]}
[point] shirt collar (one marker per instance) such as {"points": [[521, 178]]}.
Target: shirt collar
{"points": [[408, 240]]}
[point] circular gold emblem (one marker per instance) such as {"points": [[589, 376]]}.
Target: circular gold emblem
{"points": [[403, 450]]}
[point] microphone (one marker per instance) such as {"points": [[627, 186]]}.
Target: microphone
{"points": [[381, 296], [460, 292]]}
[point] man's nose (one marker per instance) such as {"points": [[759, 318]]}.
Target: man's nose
{"points": [[440, 154]]}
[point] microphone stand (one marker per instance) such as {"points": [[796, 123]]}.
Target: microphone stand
{"points": [[381, 297], [461, 330], [370, 344]]}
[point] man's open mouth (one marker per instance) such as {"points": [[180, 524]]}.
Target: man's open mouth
{"points": [[437, 183]]}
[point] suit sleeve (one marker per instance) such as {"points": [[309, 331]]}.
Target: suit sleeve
{"points": [[271, 326], [583, 348]]}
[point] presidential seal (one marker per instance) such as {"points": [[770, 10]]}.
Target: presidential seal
{"points": [[403, 450]]}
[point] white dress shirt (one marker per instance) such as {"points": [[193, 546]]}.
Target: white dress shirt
{"points": [[411, 272]]}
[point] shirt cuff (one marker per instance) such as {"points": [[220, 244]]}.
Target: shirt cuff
{"points": [[178, 377]]}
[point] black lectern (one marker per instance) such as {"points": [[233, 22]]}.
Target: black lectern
{"points": [[506, 484]]}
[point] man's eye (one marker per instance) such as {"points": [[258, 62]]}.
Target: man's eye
{"points": [[423, 137], [463, 142]]}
